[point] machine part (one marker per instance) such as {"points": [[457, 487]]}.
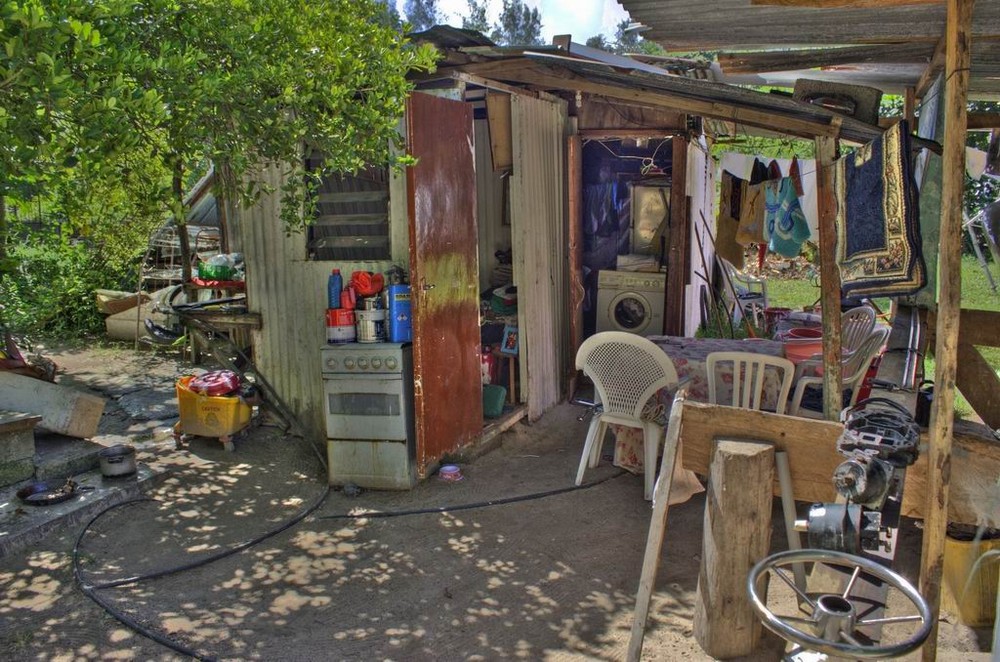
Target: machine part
{"points": [[842, 527], [832, 626], [878, 426], [864, 480]]}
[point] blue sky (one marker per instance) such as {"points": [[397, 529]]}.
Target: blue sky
{"points": [[580, 18]]}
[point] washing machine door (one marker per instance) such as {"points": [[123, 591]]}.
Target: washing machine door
{"points": [[630, 312]]}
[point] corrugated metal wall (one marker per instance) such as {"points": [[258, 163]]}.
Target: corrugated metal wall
{"points": [[493, 234], [701, 189], [538, 227], [289, 291]]}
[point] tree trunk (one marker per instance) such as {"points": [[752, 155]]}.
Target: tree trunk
{"points": [[180, 219], [3, 233]]}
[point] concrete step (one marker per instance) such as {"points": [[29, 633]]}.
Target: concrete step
{"points": [[59, 456]]}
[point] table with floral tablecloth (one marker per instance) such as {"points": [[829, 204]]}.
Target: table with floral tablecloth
{"points": [[690, 357]]}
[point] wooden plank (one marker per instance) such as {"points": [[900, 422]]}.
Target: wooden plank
{"points": [[737, 534], [978, 382], [756, 62], [812, 457], [910, 107], [933, 70], [501, 143], [983, 121], [663, 99], [64, 410], [574, 232], [829, 279], [678, 252], [958, 40], [626, 134], [657, 528], [353, 196]]}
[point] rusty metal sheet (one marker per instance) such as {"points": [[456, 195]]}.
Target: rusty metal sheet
{"points": [[445, 276]]}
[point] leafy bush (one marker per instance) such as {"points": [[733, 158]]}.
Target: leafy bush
{"points": [[51, 290]]}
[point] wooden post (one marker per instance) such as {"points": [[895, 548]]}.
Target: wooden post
{"points": [[958, 38], [574, 176], [657, 528], [829, 278], [737, 535], [678, 252], [910, 109]]}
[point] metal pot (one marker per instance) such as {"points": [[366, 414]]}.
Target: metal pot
{"points": [[117, 460]]}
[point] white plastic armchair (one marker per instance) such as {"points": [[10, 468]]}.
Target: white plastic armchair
{"points": [[749, 378], [627, 371], [853, 369], [750, 292], [856, 325]]}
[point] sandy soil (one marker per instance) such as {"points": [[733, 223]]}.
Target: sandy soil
{"points": [[546, 578]]}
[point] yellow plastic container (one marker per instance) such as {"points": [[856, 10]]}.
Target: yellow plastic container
{"points": [[210, 416], [974, 601]]}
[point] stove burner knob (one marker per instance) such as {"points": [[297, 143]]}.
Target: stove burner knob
{"points": [[391, 363], [363, 363], [349, 364], [376, 363], [331, 363]]}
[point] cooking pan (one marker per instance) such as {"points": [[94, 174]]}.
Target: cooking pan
{"points": [[43, 493]]}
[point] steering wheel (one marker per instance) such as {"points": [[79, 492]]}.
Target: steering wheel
{"points": [[832, 624]]}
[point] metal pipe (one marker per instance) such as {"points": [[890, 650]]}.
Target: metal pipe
{"points": [[788, 510]]}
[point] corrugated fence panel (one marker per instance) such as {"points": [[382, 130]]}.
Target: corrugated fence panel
{"points": [[289, 292], [540, 252], [493, 234], [701, 189]]}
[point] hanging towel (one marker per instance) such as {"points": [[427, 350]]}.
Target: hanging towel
{"points": [[796, 175], [728, 222], [878, 228], [787, 227]]}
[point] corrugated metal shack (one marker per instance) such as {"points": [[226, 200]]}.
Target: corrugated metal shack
{"points": [[534, 119]]}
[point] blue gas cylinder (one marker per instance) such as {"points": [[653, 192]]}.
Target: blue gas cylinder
{"points": [[399, 313], [334, 284]]}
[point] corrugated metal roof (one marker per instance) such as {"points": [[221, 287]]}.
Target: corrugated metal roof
{"points": [[726, 25]]}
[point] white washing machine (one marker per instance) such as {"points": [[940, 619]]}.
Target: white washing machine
{"points": [[630, 301]]}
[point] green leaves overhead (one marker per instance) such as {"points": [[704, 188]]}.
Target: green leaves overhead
{"points": [[83, 82]]}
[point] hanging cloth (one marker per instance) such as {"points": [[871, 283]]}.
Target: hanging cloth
{"points": [[751, 230], [728, 222], [787, 227], [878, 224]]}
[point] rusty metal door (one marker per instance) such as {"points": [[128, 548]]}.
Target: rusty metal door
{"points": [[444, 274]]}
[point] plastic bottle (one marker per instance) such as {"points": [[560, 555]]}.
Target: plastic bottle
{"points": [[333, 286]]}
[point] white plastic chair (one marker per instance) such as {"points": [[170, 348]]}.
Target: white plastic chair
{"points": [[749, 371], [856, 325], [853, 369], [627, 371], [750, 292]]}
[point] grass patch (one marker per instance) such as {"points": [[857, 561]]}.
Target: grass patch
{"points": [[976, 293]]}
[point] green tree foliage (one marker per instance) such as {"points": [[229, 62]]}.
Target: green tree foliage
{"points": [[598, 41], [421, 14], [91, 89], [519, 25], [475, 18], [626, 41]]}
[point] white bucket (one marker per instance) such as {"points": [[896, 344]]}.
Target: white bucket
{"points": [[371, 325]]}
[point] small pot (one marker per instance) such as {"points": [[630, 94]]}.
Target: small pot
{"points": [[117, 460]]}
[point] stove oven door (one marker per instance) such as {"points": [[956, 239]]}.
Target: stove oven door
{"points": [[365, 408]]}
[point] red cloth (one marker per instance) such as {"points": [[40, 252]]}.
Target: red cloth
{"points": [[216, 382], [237, 285]]}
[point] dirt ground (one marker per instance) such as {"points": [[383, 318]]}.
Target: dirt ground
{"points": [[546, 578]]}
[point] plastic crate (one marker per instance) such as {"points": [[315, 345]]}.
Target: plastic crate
{"points": [[210, 416]]}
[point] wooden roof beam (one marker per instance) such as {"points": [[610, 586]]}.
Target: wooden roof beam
{"points": [[845, 4], [662, 99], [934, 68], [757, 62]]}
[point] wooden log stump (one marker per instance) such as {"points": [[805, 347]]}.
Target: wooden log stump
{"points": [[737, 535]]}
